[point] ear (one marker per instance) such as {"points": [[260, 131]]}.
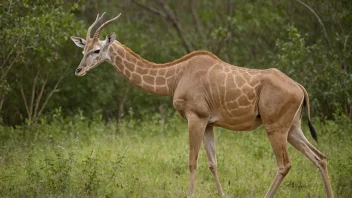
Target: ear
{"points": [[78, 41], [110, 39]]}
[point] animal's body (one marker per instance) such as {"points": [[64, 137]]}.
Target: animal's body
{"points": [[209, 92]]}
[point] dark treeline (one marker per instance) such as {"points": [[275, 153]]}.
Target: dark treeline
{"points": [[309, 40]]}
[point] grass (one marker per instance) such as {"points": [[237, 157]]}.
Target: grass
{"points": [[77, 157]]}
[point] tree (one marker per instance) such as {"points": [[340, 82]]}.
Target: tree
{"points": [[34, 59]]}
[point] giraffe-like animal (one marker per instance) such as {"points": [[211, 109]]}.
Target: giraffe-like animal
{"points": [[208, 92]]}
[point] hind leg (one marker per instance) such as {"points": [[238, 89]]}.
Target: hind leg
{"points": [[278, 141], [278, 109], [300, 142]]}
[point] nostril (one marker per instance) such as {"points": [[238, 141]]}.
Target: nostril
{"points": [[78, 70]]}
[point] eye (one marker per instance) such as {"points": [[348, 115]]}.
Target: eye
{"points": [[97, 51]]}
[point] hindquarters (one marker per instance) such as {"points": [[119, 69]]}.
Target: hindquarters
{"points": [[279, 101]]}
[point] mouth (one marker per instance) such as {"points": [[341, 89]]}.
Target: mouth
{"points": [[81, 74]]}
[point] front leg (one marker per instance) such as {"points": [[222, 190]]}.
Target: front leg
{"points": [[196, 128]]}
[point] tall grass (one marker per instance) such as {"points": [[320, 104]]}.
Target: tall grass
{"points": [[78, 157]]}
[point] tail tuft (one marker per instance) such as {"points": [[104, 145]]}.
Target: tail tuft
{"points": [[312, 131]]}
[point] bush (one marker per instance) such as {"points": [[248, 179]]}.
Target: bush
{"points": [[319, 70]]}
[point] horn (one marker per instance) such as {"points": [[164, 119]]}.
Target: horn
{"points": [[96, 35], [94, 24]]}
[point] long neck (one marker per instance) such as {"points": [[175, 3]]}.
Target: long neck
{"points": [[154, 78]]}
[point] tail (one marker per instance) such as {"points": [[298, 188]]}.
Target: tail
{"points": [[306, 103]]}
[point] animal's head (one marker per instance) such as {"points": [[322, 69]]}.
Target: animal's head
{"points": [[94, 50]]}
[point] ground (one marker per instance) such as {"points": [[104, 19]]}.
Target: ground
{"points": [[82, 158]]}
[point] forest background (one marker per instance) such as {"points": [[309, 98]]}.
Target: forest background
{"points": [[309, 40]]}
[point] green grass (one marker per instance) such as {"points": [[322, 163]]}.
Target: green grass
{"points": [[77, 157]]}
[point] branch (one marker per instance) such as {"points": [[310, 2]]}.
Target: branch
{"points": [[150, 9], [12, 50], [8, 56], [168, 15], [9, 67], [195, 17], [50, 94], [345, 64], [39, 97], [122, 103], [319, 20], [34, 86], [345, 42], [178, 27], [25, 101], [2, 102], [220, 44], [54, 90], [8, 10]]}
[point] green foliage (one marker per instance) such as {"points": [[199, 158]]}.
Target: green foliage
{"points": [[34, 56], [79, 157], [38, 59], [340, 129], [318, 70]]}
